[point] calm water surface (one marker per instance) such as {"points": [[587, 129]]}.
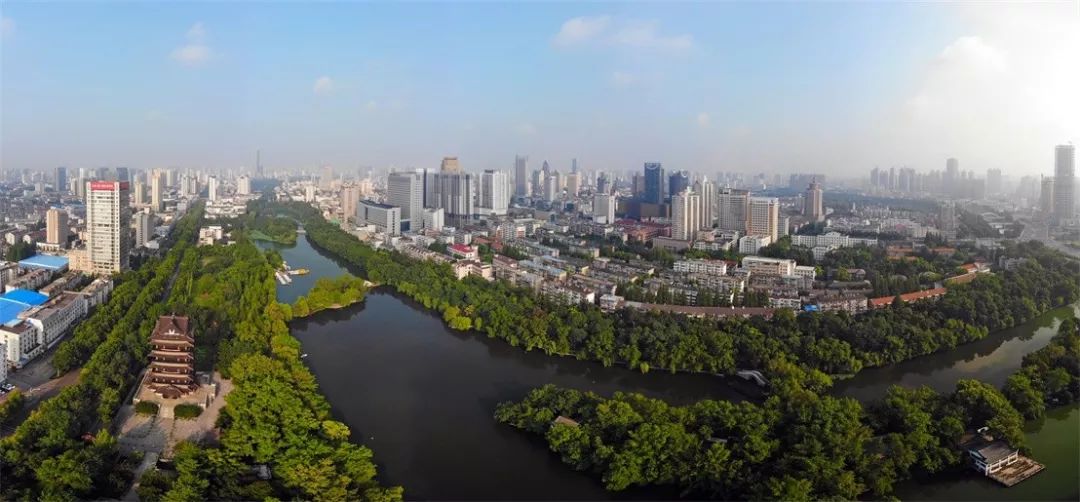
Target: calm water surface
{"points": [[422, 397]]}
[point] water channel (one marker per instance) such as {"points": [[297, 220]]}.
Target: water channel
{"points": [[422, 397]]}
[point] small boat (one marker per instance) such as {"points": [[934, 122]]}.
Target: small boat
{"points": [[303, 355]]}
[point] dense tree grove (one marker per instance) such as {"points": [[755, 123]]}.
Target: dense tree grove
{"points": [[831, 342], [47, 456], [329, 293], [1050, 375], [797, 445], [19, 251], [263, 225]]}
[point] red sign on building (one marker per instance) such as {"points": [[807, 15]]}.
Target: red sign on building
{"points": [[108, 185]]}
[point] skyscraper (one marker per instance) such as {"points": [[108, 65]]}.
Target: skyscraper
{"points": [[604, 207], [451, 190], [493, 196], [157, 191], [243, 185], [108, 226], [1046, 196], [733, 207], [764, 217], [450, 165], [144, 228], [350, 198], [56, 227], [212, 189], [685, 215], [952, 176], [654, 183], [573, 184], [406, 190], [947, 219], [707, 191], [677, 182], [812, 204], [521, 176], [1064, 184], [60, 179]]}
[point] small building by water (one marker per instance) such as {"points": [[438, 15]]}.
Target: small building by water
{"points": [[998, 460]]}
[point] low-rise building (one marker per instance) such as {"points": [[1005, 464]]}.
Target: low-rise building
{"points": [[761, 265], [710, 267], [462, 251], [54, 318]]}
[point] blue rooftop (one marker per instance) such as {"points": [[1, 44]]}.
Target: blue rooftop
{"points": [[45, 261], [18, 300]]}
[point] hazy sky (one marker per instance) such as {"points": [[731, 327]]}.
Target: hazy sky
{"points": [[826, 87]]}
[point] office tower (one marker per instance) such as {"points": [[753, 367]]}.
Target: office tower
{"points": [[309, 192], [812, 203], [121, 174], [350, 197], [875, 177], [157, 191], [551, 188], [685, 215], [56, 227], [327, 177], [494, 198], [602, 184], [654, 183], [707, 191], [144, 228], [993, 181], [138, 193], [170, 177], [406, 190], [386, 218], [450, 165], [80, 187], [951, 178], [521, 176], [433, 219], [60, 179], [212, 188], [733, 207], [947, 219], [1064, 184], [108, 226], [678, 182], [764, 217], [258, 163], [573, 166], [536, 185], [243, 185], [573, 184], [604, 208], [1046, 196], [451, 190]]}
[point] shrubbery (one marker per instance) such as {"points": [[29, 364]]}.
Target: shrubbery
{"points": [[147, 408]]}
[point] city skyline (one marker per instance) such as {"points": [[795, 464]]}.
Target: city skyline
{"points": [[612, 85]]}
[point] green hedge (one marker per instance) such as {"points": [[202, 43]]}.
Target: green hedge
{"points": [[146, 408], [187, 411]]}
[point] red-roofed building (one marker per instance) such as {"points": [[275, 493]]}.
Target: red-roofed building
{"points": [[172, 361], [926, 294], [462, 251]]}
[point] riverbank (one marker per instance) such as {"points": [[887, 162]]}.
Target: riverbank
{"points": [[288, 240], [336, 306]]}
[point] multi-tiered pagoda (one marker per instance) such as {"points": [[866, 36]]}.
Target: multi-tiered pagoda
{"points": [[172, 362]]}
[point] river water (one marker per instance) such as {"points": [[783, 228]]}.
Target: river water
{"points": [[422, 397]]}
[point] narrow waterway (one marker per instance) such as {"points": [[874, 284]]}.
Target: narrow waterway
{"points": [[422, 397]]}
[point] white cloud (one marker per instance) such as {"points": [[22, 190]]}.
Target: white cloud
{"points": [[623, 79], [643, 35], [581, 29], [195, 52], [703, 119], [324, 86], [618, 33], [7, 26], [525, 129]]}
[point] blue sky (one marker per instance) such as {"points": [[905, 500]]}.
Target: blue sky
{"points": [[705, 86]]}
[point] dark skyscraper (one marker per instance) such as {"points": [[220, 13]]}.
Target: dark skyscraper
{"points": [[60, 180], [679, 181], [654, 183]]}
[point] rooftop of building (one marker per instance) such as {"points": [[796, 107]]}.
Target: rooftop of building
{"points": [[17, 301], [45, 261]]}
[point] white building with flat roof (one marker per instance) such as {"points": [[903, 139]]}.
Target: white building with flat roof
{"points": [[108, 223]]}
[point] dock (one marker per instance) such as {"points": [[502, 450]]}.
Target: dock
{"points": [[1017, 471]]}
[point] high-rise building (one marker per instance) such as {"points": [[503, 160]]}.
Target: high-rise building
{"points": [[108, 226], [993, 181], [60, 179], [350, 198], [521, 176], [952, 177], [309, 192], [56, 227], [707, 191], [212, 189], [812, 203], [1046, 196], [157, 191], [494, 198], [604, 208], [452, 191], [677, 182], [1064, 184], [450, 165], [406, 190], [386, 218], [764, 217], [947, 219], [138, 193], [654, 183], [602, 184], [733, 206], [685, 215], [551, 188], [144, 228], [573, 184], [243, 185]]}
